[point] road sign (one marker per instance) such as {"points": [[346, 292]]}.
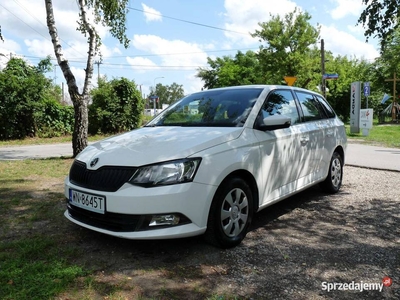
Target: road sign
{"points": [[367, 89], [290, 80], [366, 117], [331, 76]]}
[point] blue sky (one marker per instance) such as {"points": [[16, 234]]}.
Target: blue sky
{"points": [[166, 49]]}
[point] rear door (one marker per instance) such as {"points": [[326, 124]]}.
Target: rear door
{"points": [[316, 129]]}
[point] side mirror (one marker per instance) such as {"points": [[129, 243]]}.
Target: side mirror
{"points": [[275, 122]]}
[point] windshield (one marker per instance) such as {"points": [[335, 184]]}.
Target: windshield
{"points": [[224, 107]]}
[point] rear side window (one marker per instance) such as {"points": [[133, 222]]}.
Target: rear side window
{"points": [[327, 108], [312, 110], [280, 102]]}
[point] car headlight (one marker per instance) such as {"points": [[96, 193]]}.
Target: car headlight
{"points": [[170, 172]]}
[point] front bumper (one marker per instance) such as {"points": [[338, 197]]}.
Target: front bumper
{"points": [[129, 210]]}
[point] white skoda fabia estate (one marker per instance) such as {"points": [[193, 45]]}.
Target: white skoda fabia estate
{"points": [[207, 164]]}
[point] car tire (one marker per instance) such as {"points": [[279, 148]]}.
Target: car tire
{"points": [[333, 181], [230, 214]]}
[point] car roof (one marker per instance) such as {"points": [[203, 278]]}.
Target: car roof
{"points": [[263, 86]]}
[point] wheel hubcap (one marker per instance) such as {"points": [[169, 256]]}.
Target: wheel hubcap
{"points": [[336, 172], [234, 212]]}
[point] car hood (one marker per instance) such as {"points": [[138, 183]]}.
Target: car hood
{"points": [[149, 145]]}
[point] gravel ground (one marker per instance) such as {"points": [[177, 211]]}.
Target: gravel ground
{"points": [[352, 236], [296, 249]]}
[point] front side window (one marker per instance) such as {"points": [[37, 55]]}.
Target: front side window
{"points": [[310, 107], [280, 102]]}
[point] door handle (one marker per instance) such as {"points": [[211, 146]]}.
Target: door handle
{"points": [[329, 133], [304, 140]]}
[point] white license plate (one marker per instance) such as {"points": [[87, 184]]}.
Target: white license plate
{"points": [[90, 202]]}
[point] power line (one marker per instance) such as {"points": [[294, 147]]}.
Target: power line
{"points": [[158, 54], [182, 53], [46, 37], [186, 21]]}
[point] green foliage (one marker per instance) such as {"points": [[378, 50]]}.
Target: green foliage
{"points": [[242, 69], [167, 94], [53, 119], [349, 70], [117, 106], [111, 14], [381, 19], [287, 47], [286, 51], [22, 88]]}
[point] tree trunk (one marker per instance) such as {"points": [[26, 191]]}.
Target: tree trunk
{"points": [[79, 100], [81, 124]]}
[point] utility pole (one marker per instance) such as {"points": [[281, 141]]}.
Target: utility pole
{"points": [[98, 63], [394, 104], [323, 82]]}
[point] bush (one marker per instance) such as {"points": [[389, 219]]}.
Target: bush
{"points": [[54, 119], [117, 107]]}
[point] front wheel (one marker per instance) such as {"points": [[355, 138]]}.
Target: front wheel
{"points": [[230, 214], [333, 181]]}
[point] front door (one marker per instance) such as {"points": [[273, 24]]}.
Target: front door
{"points": [[282, 151]]}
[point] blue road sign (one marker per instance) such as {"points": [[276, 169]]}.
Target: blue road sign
{"points": [[367, 89]]}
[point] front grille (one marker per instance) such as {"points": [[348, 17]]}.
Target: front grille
{"points": [[106, 178]]}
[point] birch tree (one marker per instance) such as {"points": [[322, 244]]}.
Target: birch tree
{"points": [[108, 13]]}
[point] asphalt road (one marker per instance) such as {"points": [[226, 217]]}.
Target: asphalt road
{"points": [[358, 155]]}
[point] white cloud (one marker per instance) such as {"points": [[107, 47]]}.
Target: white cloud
{"points": [[141, 64], [346, 7], [173, 53], [39, 47], [345, 44], [9, 46], [79, 77], [151, 14], [244, 16], [194, 84]]}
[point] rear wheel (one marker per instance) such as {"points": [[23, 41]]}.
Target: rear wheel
{"points": [[230, 214], [333, 181]]}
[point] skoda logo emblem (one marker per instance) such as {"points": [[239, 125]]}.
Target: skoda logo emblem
{"points": [[94, 162]]}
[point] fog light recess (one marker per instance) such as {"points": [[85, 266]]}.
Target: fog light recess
{"points": [[162, 220]]}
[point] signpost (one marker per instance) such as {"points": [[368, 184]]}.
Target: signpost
{"points": [[155, 99], [355, 103]]}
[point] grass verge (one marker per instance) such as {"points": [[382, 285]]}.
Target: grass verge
{"points": [[385, 135], [35, 261]]}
